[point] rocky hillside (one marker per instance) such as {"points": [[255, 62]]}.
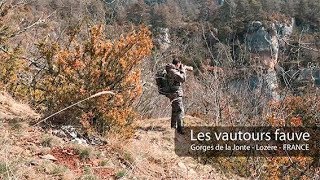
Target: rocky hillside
{"points": [[32, 152], [256, 62]]}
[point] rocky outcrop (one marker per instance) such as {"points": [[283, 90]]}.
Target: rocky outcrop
{"points": [[263, 43], [162, 39]]}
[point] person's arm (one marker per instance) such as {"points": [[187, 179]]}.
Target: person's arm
{"points": [[179, 75]]}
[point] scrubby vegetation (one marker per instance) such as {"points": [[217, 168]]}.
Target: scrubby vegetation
{"points": [[56, 53], [74, 68]]}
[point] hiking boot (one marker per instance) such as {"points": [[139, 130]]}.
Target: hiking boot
{"points": [[173, 126]]}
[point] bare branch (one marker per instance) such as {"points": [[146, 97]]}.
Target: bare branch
{"points": [[301, 46], [32, 25], [93, 96]]}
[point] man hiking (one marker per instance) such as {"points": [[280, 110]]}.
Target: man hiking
{"points": [[176, 76]]}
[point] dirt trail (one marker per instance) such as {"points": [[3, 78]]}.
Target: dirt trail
{"points": [[153, 156]]}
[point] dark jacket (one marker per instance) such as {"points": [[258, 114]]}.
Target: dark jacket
{"points": [[176, 77]]}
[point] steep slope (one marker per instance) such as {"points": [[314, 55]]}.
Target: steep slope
{"points": [[10, 109], [31, 152]]}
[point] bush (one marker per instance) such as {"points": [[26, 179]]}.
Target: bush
{"points": [[71, 70], [11, 62], [83, 68]]}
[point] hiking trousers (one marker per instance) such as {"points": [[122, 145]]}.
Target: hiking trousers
{"points": [[177, 113]]}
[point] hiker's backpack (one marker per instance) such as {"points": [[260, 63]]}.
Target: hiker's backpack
{"points": [[162, 81]]}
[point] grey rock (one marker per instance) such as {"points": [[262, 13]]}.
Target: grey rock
{"points": [[303, 76], [79, 141], [48, 157], [272, 84], [259, 40], [163, 38], [153, 2], [284, 29], [95, 141], [59, 133], [70, 130], [262, 42], [71, 133]]}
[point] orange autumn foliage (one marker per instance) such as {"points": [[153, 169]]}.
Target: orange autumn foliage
{"points": [[293, 111], [11, 60], [84, 68]]}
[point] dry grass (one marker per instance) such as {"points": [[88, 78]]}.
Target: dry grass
{"points": [[150, 154], [11, 109]]}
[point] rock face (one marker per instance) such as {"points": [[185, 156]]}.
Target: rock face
{"points": [[263, 44], [163, 39], [260, 38]]}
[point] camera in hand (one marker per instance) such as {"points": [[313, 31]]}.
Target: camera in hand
{"points": [[188, 68]]}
